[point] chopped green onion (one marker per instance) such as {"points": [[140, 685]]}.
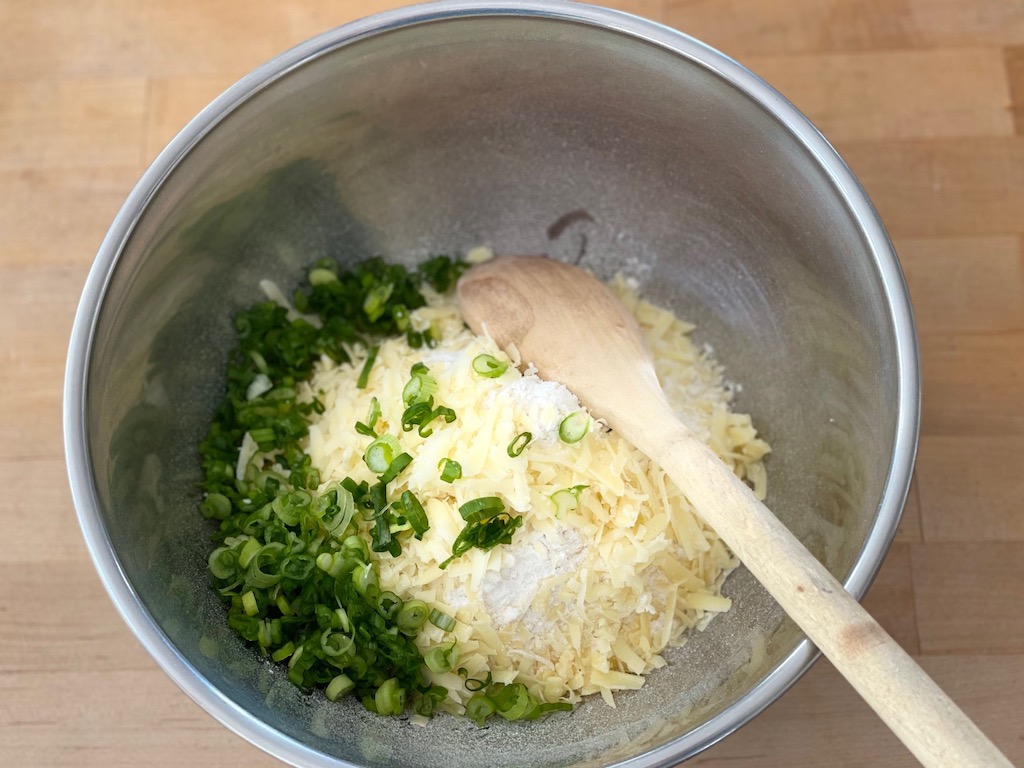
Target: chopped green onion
{"points": [[447, 413], [343, 620], [441, 620], [390, 697], [376, 301], [380, 453], [335, 644], [400, 314], [222, 562], [574, 427], [514, 702], [479, 708], [364, 376], [364, 578], [338, 687], [484, 535], [451, 470], [567, 499], [249, 551], [321, 276], [255, 575], [399, 463], [481, 509], [388, 605], [249, 604], [368, 428], [284, 606], [489, 366], [283, 652], [442, 658], [216, 506], [264, 437], [412, 616], [296, 575], [354, 546], [381, 538], [519, 443], [420, 387], [415, 414], [415, 514], [475, 684]]}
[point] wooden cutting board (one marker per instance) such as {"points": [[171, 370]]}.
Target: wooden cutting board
{"points": [[924, 98]]}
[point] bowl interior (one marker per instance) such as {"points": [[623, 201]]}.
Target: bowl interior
{"points": [[531, 135]]}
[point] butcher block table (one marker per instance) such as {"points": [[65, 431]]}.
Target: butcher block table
{"points": [[923, 98]]}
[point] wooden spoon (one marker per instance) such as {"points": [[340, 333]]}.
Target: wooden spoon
{"points": [[571, 327]]}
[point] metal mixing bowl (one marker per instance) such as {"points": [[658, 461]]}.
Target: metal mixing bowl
{"points": [[532, 127]]}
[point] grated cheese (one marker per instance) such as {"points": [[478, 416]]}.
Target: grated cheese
{"points": [[585, 603]]}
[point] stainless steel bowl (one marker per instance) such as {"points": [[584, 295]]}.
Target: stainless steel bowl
{"points": [[533, 127]]}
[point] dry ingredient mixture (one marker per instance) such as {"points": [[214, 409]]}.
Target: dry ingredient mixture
{"points": [[552, 558]]}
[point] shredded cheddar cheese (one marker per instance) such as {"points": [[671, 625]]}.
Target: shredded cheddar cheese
{"points": [[588, 595]]}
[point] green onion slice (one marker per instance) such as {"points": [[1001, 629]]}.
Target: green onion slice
{"points": [[322, 276], [283, 652], [451, 470], [441, 620], [484, 535], [222, 562], [364, 375], [514, 702], [411, 616], [380, 453], [441, 658], [376, 301], [479, 510], [567, 499], [519, 443], [368, 428], [489, 366], [420, 387], [339, 686], [249, 551], [390, 697], [574, 427], [249, 604], [479, 708], [388, 605], [395, 468], [415, 514], [336, 644]]}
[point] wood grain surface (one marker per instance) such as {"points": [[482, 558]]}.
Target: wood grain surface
{"points": [[925, 100]]}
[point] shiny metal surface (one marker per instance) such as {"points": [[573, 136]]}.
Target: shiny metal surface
{"points": [[533, 127]]}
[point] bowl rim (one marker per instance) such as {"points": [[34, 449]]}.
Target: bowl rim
{"points": [[83, 490]]}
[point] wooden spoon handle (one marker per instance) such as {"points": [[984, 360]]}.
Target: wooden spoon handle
{"points": [[911, 704]]}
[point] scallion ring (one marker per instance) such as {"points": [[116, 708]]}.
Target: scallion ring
{"points": [[574, 427], [380, 453], [411, 616], [489, 366], [479, 708], [483, 508], [339, 686], [451, 470], [390, 697], [441, 620], [567, 499], [442, 658], [519, 443]]}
